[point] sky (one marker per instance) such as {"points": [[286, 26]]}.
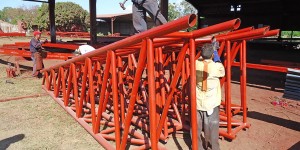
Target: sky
{"points": [[103, 6]]}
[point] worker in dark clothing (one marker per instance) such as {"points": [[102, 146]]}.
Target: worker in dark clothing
{"points": [[139, 9], [36, 53]]}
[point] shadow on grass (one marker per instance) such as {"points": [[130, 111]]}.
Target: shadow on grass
{"points": [[5, 143], [21, 66]]}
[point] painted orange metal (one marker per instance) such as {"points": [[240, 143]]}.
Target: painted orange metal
{"points": [[264, 67], [184, 22], [23, 53], [12, 34], [146, 84], [61, 46]]}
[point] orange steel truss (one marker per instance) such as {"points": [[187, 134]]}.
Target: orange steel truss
{"points": [[138, 91]]}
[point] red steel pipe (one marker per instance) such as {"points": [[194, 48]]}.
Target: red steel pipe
{"points": [[237, 31], [263, 67], [228, 87], [256, 32], [192, 95], [151, 91], [115, 98], [225, 26], [139, 71], [267, 34], [182, 23]]}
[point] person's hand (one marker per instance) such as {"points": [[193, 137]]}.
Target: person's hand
{"points": [[216, 56], [216, 46], [45, 41]]}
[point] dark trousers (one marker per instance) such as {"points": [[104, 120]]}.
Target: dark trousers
{"points": [[139, 9], [210, 125]]}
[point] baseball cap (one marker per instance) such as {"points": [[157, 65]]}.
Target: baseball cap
{"points": [[36, 33]]}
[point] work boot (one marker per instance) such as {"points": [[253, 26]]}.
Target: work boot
{"points": [[40, 75]]}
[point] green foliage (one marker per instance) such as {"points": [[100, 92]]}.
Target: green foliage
{"points": [[42, 19], [173, 12], [296, 34], [13, 15], [67, 14], [24, 14], [187, 8], [179, 10], [1, 15], [288, 34]]}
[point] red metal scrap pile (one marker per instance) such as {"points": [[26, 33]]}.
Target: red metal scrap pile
{"points": [[146, 84]]}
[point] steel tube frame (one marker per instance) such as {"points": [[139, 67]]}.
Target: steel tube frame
{"points": [[147, 82]]}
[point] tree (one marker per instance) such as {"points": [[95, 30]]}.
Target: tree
{"points": [[182, 9], [67, 15], [187, 8], [13, 15], [1, 15], [173, 12]]}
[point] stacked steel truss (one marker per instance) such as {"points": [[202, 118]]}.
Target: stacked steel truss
{"points": [[138, 91]]}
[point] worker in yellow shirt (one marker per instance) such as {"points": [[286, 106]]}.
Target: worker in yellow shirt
{"points": [[208, 92]]}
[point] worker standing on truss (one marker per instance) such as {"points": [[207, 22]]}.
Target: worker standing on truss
{"points": [[139, 9], [36, 53], [208, 92]]}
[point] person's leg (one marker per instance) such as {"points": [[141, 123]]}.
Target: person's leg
{"points": [[214, 121], [40, 75], [34, 65], [138, 17], [200, 127], [206, 128], [152, 8]]}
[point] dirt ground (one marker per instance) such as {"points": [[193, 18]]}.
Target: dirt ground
{"points": [[40, 123]]}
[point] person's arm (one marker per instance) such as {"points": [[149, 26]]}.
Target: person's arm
{"points": [[216, 56], [220, 70], [216, 46], [36, 44]]}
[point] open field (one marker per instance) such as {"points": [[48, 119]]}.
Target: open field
{"points": [[40, 123]]}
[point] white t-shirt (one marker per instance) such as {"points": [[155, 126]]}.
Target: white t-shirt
{"points": [[85, 49]]}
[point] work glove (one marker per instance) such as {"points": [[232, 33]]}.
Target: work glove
{"points": [[216, 46]]}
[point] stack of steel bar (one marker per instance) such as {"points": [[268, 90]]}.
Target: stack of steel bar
{"points": [[292, 84], [13, 34], [22, 49], [72, 34], [139, 90]]}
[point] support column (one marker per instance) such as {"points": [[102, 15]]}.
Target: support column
{"points": [[164, 8], [112, 24], [199, 13], [93, 23], [199, 19], [52, 20]]}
